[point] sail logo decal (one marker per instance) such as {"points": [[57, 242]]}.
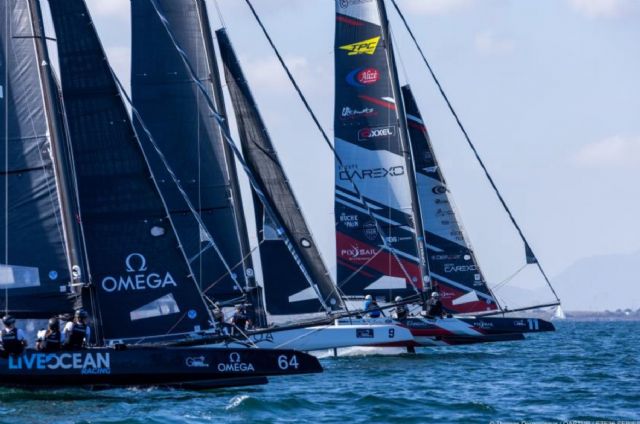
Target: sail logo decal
{"points": [[362, 47], [349, 221], [137, 277], [375, 173], [366, 134], [363, 77], [449, 268], [235, 364], [346, 3], [348, 113], [357, 253], [87, 363]]}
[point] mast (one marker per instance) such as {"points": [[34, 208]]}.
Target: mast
{"points": [[406, 147], [236, 195], [59, 152]]}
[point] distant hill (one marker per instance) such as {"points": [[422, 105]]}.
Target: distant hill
{"points": [[599, 283]]}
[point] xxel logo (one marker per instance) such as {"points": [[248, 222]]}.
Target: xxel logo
{"points": [[140, 259], [362, 47]]}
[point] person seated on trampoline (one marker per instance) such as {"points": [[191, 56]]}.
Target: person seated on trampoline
{"points": [[433, 307], [371, 305], [76, 333], [13, 340], [51, 339], [401, 312]]}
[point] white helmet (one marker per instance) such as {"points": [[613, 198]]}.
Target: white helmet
{"points": [[368, 297], [435, 295], [398, 299]]}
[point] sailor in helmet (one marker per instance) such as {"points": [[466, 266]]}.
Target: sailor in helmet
{"points": [[401, 312], [13, 340], [76, 333], [239, 320], [433, 307], [371, 305], [50, 340]]}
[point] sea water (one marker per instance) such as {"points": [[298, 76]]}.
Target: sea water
{"points": [[586, 371]]}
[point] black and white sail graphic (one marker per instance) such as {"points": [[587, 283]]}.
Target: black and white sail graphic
{"points": [[140, 276], [369, 139], [34, 267], [175, 111], [293, 271], [454, 268]]}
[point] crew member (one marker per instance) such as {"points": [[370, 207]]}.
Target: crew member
{"points": [[401, 312], [434, 308], [239, 319], [51, 339], [76, 333], [13, 340], [371, 305]]}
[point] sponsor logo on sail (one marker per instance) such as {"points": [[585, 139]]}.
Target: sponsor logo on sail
{"points": [[349, 113], [368, 46], [346, 3], [235, 364], [363, 77], [370, 230], [449, 268], [356, 253], [137, 277], [363, 174], [439, 189], [366, 134], [86, 363], [349, 221]]}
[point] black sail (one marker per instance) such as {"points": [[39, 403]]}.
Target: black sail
{"points": [[291, 262], [453, 265], [34, 269], [141, 279], [176, 113]]}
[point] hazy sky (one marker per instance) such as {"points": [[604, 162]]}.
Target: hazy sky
{"points": [[549, 91]]}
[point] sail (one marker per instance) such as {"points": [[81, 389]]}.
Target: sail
{"points": [[34, 271], [369, 140], [454, 268], [176, 113], [291, 262], [141, 280]]}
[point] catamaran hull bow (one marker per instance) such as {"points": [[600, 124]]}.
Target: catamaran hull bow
{"points": [[151, 366]]}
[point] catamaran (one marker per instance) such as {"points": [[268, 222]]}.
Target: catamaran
{"points": [[86, 225]]}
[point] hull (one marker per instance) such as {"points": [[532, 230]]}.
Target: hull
{"points": [[328, 337], [463, 330], [162, 366]]}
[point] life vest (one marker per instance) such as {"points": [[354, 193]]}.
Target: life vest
{"points": [[75, 339], [51, 341], [240, 320], [10, 342]]}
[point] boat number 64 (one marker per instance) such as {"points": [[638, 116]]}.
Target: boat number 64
{"points": [[284, 362]]}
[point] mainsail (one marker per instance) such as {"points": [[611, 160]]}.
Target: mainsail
{"points": [[292, 267], [35, 257], [175, 112], [453, 265], [140, 276], [371, 141]]}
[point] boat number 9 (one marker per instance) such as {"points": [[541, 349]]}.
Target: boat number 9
{"points": [[392, 333], [285, 362]]}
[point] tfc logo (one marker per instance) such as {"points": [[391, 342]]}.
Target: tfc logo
{"points": [[362, 47]]}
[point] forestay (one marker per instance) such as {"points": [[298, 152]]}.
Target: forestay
{"points": [[140, 275]]}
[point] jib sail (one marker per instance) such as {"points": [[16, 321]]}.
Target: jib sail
{"points": [[141, 279], [370, 140], [454, 268], [293, 271], [175, 112], [34, 255]]}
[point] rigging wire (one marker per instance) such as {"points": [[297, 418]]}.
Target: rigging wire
{"points": [[6, 154], [328, 142], [472, 146], [227, 137], [219, 13]]}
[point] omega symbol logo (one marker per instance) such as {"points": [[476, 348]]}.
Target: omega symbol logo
{"points": [[139, 260]]}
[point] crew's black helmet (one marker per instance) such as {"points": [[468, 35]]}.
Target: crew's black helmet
{"points": [[8, 320], [54, 323], [81, 313]]}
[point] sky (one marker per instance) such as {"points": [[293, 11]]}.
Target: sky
{"points": [[548, 90]]}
